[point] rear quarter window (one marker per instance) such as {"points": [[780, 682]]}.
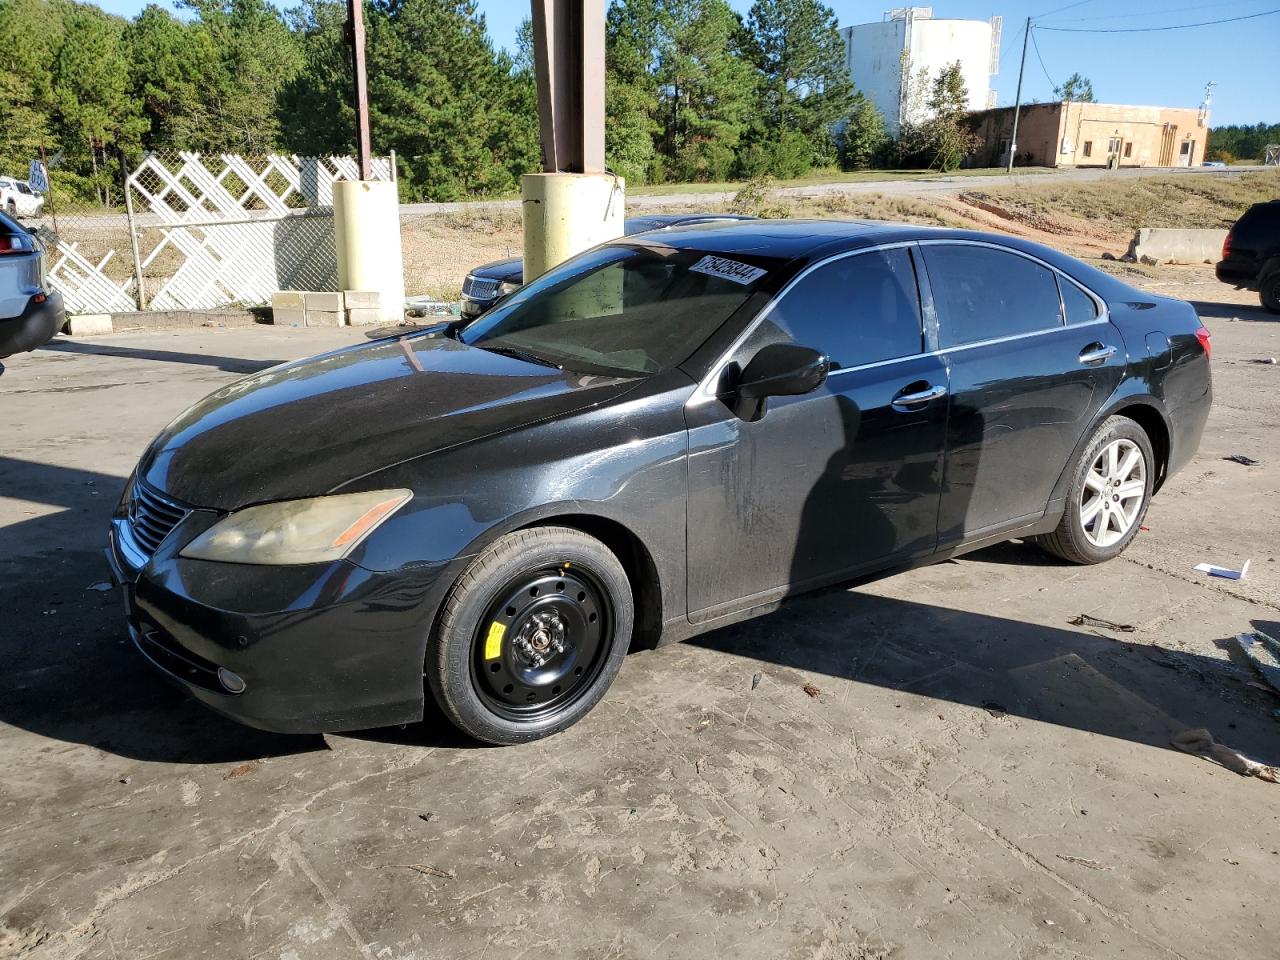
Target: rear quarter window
{"points": [[1078, 305], [982, 293]]}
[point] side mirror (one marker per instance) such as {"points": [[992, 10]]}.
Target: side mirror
{"points": [[783, 370]]}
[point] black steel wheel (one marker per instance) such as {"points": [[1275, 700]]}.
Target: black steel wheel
{"points": [[531, 635]]}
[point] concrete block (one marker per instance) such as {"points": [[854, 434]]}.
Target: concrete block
{"points": [[328, 301], [362, 299], [1171, 245], [364, 316], [288, 308], [324, 318], [89, 324]]}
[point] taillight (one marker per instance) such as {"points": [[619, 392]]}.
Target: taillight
{"points": [[1226, 246], [16, 243], [1206, 341]]}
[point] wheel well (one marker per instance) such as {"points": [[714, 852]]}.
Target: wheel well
{"points": [[1149, 419], [641, 571]]}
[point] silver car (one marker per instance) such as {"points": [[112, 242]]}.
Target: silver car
{"points": [[30, 312]]}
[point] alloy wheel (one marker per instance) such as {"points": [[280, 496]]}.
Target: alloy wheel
{"points": [[1115, 486]]}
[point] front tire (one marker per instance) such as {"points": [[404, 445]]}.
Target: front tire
{"points": [[531, 635], [1108, 496]]}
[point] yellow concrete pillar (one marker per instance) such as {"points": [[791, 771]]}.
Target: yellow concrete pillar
{"points": [[366, 221], [566, 213]]}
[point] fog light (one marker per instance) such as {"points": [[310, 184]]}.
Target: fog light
{"points": [[232, 682]]}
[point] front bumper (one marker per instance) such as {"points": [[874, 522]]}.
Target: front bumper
{"points": [[34, 327], [319, 648], [472, 307]]}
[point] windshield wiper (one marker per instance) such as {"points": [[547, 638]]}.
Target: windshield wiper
{"points": [[518, 355]]}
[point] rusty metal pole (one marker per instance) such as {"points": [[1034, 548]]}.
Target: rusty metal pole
{"points": [[568, 54], [360, 78]]}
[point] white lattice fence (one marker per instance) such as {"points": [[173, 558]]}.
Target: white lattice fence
{"points": [[230, 229]]}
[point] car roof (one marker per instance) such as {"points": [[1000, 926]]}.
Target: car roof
{"points": [[816, 239]]}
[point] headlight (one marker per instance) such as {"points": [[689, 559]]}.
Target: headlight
{"points": [[297, 531], [508, 287]]}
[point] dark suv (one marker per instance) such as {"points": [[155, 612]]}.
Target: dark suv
{"points": [[1251, 254]]}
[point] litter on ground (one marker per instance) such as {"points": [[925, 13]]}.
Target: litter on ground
{"points": [[1200, 742], [1215, 571]]}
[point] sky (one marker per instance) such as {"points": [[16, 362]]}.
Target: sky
{"points": [[1166, 68]]}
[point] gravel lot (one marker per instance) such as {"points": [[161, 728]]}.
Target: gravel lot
{"points": [[974, 776]]}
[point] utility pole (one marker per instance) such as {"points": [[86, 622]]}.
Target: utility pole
{"points": [[355, 37], [1017, 100]]}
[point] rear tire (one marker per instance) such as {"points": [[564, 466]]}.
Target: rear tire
{"points": [[1108, 496], [1269, 293], [531, 635]]}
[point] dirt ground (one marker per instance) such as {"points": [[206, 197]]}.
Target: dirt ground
{"points": [[968, 774]]}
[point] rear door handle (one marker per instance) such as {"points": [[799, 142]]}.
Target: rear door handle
{"points": [[1096, 353], [907, 402]]}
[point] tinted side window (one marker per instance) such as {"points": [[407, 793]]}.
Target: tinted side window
{"points": [[1078, 304], [857, 310], [981, 293]]}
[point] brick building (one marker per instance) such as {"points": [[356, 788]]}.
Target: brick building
{"points": [[1094, 135]]}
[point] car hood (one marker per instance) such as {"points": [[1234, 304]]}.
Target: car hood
{"points": [[510, 270], [303, 429]]}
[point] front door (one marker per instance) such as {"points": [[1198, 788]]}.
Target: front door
{"points": [[834, 482], [1032, 360]]}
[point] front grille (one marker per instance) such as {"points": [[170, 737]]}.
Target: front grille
{"points": [[152, 517], [479, 288]]}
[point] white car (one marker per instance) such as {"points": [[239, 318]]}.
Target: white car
{"points": [[18, 199]]}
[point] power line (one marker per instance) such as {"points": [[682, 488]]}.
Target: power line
{"points": [[1148, 13], [1069, 6], [1179, 26], [1036, 46]]}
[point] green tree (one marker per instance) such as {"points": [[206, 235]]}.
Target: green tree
{"points": [[1076, 89], [316, 116], [445, 101], [631, 90], [256, 57], [96, 114], [804, 83], [936, 132], [707, 87], [30, 35], [173, 66], [863, 136]]}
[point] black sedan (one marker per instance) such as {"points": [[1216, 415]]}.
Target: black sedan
{"points": [[490, 282], [666, 434]]}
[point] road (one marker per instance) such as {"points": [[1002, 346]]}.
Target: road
{"points": [[970, 775]]}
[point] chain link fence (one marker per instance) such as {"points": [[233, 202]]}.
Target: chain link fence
{"points": [[181, 231]]}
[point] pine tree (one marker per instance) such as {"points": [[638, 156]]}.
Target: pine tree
{"points": [[804, 84], [707, 88], [863, 136]]}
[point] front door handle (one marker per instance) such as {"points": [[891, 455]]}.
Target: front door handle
{"points": [[1096, 353], [906, 402]]}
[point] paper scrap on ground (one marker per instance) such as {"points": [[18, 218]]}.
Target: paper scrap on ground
{"points": [[1200, 742], [1223, 572]]}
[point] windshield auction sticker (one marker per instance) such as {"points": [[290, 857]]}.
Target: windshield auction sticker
{"points": [[742, 273]]}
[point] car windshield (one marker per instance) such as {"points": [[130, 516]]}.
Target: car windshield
{"points": [[622, 310]]}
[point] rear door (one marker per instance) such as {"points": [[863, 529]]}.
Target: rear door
{"points": [[833, 482], [1032, 359]]}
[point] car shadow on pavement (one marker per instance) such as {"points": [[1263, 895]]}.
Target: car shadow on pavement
{"points": [[229, 364], [1095, 682]]}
